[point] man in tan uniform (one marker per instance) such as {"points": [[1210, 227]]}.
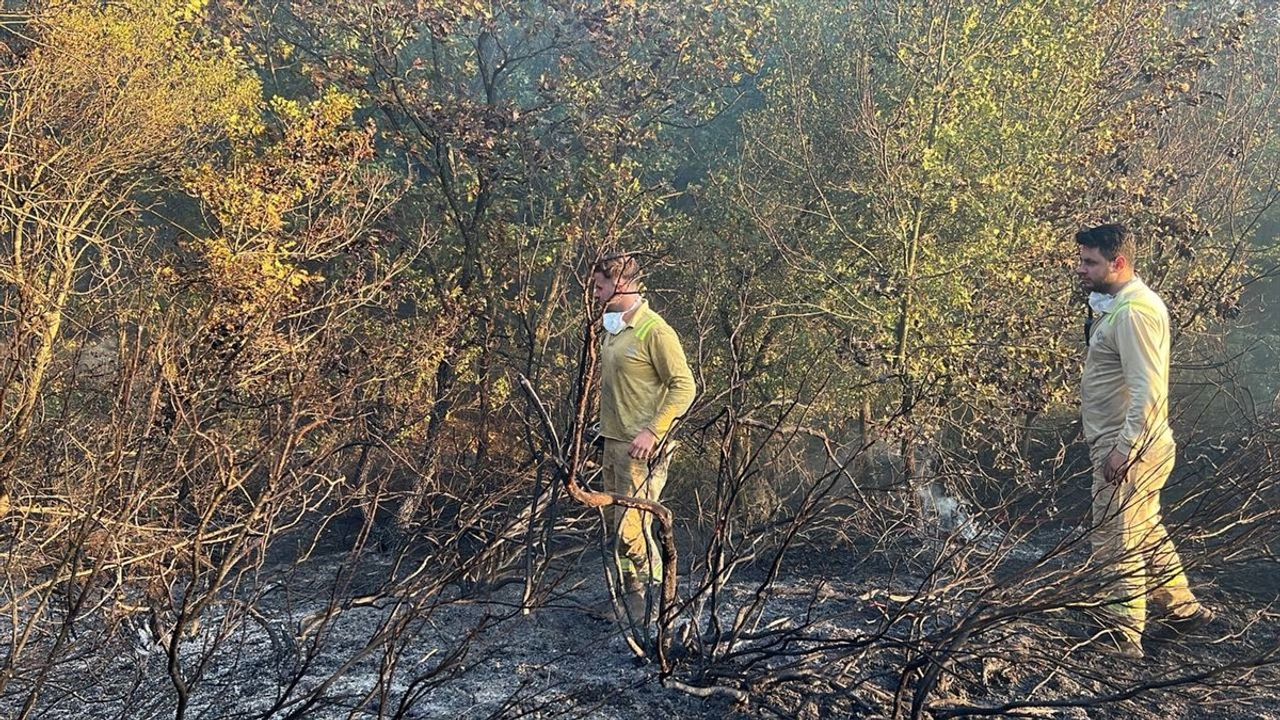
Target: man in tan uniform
{"points": [[1125, 411], [645, 385]]}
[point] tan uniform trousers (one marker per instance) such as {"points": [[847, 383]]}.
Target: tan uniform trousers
{"points": [[636, 547], [1130, 541]]}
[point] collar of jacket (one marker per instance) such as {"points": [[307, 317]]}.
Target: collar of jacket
{"points": [[642, 311]]}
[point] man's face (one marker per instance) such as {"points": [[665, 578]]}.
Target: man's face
{"points": [[606, 291], [1096, 273]]}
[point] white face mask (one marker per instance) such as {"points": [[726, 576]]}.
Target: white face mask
{"points": [[1101, 302], [613, 322]]}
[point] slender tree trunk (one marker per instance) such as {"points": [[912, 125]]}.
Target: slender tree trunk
{"points": [[60, 281]]}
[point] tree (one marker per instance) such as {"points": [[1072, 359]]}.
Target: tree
{"points": [[100, 104], [919, 168], [538, 134]]}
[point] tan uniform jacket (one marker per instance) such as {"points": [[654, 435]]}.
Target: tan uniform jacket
{"points": [[645, 381], [1124, 392]]}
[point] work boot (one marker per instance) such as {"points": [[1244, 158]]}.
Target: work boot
{"points": [[1118, 644], [1110, 634], [1171, 625]]}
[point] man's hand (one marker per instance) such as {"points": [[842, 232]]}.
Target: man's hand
{"points": [[1116, 468], [645, 446]]}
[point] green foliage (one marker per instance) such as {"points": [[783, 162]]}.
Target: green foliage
{"points": [[271, 188], [885, 229], [917, 170], [538, 134], [128, 84]]}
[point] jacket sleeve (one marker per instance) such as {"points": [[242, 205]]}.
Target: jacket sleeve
{"points": [[1142, 337], [677, 379]]}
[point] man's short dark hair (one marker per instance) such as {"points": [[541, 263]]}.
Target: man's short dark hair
{"points": [[1111, 240], [619, 267]]}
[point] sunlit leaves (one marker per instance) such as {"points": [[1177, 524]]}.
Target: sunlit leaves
{"points": [[941, 154], [131, 81]]}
